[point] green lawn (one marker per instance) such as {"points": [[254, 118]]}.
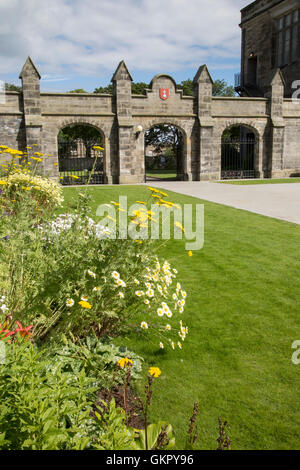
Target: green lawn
{"points": [[162, 174], [243, 314], [264, 181]]}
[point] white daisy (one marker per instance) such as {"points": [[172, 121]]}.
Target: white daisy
{"points": [[70, 303]]}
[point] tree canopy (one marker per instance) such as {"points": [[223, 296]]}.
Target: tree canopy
{"points": [[12, 87], [78, 90], [220, 88]]}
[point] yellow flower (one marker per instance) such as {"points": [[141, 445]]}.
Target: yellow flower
{"points": [[124, 361], [163, 194], [36, 159], [178, 225], [3, 182], [96, 147], [85, 304], [75, 177], [154, 372], [153, 189], [190, 253]]}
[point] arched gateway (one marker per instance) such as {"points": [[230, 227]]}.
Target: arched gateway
{"points": [[35, 118]]}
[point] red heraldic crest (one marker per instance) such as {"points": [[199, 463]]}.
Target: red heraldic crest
{"points": [[164, 93]]}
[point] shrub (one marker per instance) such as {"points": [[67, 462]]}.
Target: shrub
{"points": [[46, 407]]}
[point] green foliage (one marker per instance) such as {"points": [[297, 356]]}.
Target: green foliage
{"points": [[78, 90], [159, 435], [107, 90], [97, 358], [221, 88], [12, 87], [115, 435], [48, 406], [42, 407], [139, 88]]}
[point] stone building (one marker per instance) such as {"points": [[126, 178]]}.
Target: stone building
{"points": [[270, 40]]}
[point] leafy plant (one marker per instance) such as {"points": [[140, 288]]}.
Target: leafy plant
{"points": [[158, 436]]}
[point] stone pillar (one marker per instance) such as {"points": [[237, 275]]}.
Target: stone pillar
{"points": [[208, 168], [31, 105], [126, 136], [276, 165]]}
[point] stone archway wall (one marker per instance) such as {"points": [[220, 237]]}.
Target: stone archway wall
{"points": [[254, 127], [50, 132], [35, 118]]}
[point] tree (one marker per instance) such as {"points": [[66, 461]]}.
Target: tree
{"points": [[139, 88], [221, 88], [12, 87], [108, 90]]}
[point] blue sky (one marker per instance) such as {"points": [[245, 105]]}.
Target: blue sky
{"points": [[79, 43]]}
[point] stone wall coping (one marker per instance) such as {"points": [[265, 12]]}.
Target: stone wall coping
{"points": [[240, 98], [155, 115], [12, 92], [242, 116], [16, 113], [79, 114]]}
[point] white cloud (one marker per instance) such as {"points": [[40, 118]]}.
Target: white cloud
{"points": [[91, 36]]}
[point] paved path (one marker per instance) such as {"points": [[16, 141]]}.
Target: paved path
{"points": [[281, 201]]}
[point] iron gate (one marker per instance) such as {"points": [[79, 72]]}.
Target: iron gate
{"points": [[238, 158], [79, 163]]}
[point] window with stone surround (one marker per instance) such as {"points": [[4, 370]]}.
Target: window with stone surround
{"points": [[288, 38]]}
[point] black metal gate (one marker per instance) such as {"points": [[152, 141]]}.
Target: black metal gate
{"points": [[238, 157], [79, 163]]}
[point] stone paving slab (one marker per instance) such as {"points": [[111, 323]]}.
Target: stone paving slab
{"points": [[280, 201]]}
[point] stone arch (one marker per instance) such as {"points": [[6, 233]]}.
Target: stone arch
{"points": [[162, 75], [186, 148], [254, 149]]}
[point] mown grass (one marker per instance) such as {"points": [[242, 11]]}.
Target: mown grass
{"points": [[243, 313], [264, 181], [162, 174]]}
